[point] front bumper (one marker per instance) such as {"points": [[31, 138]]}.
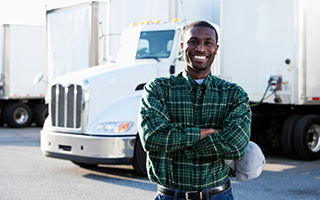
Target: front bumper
{"points": [[88, 149]]}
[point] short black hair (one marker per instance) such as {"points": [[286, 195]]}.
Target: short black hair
{"points": [[199, 24]]}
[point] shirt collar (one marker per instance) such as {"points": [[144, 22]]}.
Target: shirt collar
{"points": [[191, 83]]}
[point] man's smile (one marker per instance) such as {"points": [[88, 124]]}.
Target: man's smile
{"points": [[200, 58]]}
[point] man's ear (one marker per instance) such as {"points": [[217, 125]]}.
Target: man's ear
{"points": [[217, 48]]}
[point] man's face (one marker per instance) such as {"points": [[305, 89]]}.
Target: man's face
{"points": [[199, 48]]}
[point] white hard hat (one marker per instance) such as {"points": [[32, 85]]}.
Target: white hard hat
{"points": [[252, 164]]}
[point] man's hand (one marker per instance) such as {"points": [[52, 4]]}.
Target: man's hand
{"points": [[207, 131]]}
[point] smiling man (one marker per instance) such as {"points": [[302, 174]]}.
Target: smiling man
{"points": [[199, 47], [190, 122]]}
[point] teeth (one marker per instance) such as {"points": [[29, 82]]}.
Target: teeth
{"points": [[200, 57]]}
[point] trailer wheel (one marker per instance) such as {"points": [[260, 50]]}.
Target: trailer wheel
{"points": [[40, 112], [307, 137], [139, 158], [18, 115], [287, 135]]}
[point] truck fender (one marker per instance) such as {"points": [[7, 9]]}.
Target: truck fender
{"points": [[124, 110]]}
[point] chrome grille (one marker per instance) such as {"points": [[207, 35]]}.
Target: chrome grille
{"points": [[66, 106]]}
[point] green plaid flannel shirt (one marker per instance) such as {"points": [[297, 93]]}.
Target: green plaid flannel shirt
{"points": [[172, 111]]}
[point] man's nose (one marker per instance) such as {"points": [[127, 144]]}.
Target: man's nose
{"points": [[200, 47]]}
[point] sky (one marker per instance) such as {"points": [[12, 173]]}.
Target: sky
{"points": [[30, 12]]}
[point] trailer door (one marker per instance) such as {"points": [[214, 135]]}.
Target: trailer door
{"points": [[310, 45], [257, 38]]}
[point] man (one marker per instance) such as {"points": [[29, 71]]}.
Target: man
{"points": [[191, 122]]}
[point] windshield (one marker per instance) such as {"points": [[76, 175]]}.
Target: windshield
{"points": [[155, 44]]}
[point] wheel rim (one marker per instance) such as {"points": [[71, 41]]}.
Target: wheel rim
{"points": [[313, 138], [21, 115]]}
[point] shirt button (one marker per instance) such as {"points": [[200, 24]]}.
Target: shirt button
{"points": [[198, 181]]}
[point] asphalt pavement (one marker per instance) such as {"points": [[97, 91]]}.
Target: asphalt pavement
{"points": [[25, 173]]}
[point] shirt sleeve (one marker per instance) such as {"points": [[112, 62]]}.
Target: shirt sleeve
{"points": [[232, 140], [157, 132]]}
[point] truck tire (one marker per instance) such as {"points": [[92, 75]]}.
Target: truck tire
{"points": [[18, 115], [139, 159], [307, 137], [40, 113], [287, 136]]}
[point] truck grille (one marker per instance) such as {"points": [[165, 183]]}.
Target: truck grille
{"points": [[66, 106]]}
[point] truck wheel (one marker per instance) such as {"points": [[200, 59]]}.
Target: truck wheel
{"points": [[18, 115], [40, 113], [287, 135], [307, 137], [139, 158]]}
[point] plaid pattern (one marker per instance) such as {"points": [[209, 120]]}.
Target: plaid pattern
{"points": [[172, 111]]}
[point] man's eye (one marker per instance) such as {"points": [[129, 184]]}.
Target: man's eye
{"points": [[193, 42], [208, 43]]}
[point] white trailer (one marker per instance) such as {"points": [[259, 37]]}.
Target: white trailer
{"points": [[22, 57], [270, 48], [75, 38]]}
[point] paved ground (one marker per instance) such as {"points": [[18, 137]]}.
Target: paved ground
{"points": [[26, 174]]}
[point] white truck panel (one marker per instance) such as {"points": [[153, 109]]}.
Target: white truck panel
{"points": [[208, 10], [74, 38], [1, 56], [262, 36], [124, 110], [23, 51], [130, 38], [125, 86], [310, 14]]}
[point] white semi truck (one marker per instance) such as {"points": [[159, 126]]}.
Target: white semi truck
{"points": [[270, 48], [22, 57], [93, 112]]}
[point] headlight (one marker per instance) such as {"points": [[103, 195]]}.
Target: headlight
{"points": [[113, 127]]}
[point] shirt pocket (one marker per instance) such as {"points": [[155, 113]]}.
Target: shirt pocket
{"points": [[213, 111], [180, 108]]}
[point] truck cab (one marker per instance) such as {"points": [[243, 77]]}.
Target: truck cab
{"points": [[93, 112]]}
